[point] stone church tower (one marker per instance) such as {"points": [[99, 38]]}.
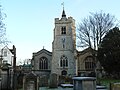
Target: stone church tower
{"points": [[64, 46]]}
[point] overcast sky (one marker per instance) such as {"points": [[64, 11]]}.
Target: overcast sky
{"points": [[30, 23]]}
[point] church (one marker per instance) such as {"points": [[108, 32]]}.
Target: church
{"points": [[65, 59]]}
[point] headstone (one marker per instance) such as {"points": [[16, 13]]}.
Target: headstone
{"points": [[53, 81], [5, 75], [43, 81], [115, 86], [30, 82], [31, 85], [84, 83]]}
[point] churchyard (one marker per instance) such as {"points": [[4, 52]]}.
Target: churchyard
{"points": [[104, 82]]}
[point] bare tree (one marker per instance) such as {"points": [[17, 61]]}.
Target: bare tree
{"points": [[93, 28], [3, 39], [27, 61]]}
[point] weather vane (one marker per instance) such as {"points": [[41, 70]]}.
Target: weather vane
{"points": [[62, 4]]}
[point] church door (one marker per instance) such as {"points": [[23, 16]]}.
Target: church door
{"points": [[64, 72]]}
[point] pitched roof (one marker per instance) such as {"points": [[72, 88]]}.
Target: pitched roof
{"points": [[6, 47], [86, 50], [43, 51]]}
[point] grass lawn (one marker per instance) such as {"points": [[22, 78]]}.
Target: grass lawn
{"points": [[107, 82]]}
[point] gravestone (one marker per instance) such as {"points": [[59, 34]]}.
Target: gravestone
{"points": [[43, 81], [31, 85], [5, 77], [115, 86], [30, 82], [53, 81], [84, 83]]}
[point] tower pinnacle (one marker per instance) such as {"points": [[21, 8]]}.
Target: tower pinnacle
{"points": [[63, 13]]}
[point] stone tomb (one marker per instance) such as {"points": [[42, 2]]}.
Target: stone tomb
{"points": [[84, 83], [30, 82]]}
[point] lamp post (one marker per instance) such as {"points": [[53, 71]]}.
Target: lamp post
{"points": [[14, 68], [9, 76]]}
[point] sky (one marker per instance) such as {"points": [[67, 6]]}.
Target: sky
{"points": [[30, 23]]}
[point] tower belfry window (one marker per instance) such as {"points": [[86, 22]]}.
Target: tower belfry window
{"points": [[63, 30], [63, 61]]}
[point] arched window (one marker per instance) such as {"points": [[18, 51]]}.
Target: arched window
{"points": [[63, 61], [89, 63], [63, 30], [43, 63]]}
